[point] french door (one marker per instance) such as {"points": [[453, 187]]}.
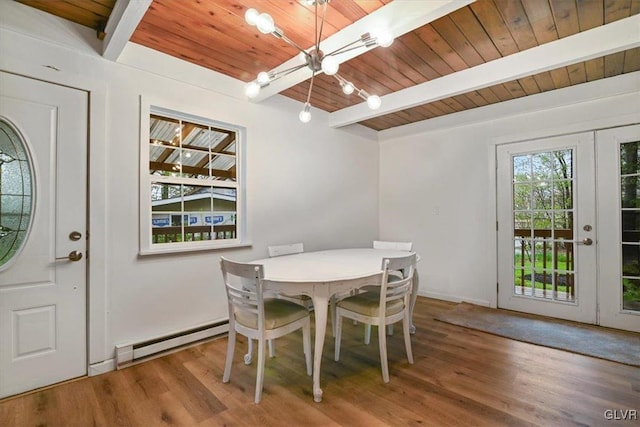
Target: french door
{"points": [[618, 155], [546, 210], [43, 176]]}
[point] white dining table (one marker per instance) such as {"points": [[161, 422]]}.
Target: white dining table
{"points": [[318, 275]]}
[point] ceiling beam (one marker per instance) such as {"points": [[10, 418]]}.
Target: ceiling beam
{"points": [[397, 17], [123, 21], [597, 42]]}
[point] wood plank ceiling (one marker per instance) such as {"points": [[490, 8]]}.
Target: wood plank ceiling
{"points": [[213, 34]]}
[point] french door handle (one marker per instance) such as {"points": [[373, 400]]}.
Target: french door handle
{"points": [[587, 241], [73, 256]]}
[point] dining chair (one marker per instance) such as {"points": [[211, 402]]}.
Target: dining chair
{"points": [[397, 246], [391, 304], [259, 318], [288, 249]]}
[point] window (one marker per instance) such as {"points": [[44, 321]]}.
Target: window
{"points": [[16, 192], [191, 183]]}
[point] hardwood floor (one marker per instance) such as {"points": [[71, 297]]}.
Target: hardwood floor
{"points": [[460, 377]]}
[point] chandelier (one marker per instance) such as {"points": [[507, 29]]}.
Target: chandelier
{"points": [[314, 58]]}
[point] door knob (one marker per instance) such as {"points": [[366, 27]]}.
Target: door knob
{"points": [[586, 241], [73, 256]]}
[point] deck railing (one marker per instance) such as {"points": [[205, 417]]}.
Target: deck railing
{"points": [[192, 233], [560, 247]]}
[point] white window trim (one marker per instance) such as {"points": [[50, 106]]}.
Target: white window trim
{"points": [[147, 106]]}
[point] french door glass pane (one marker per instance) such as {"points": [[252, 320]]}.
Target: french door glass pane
{"points": [[543, 225], [630, 220]]}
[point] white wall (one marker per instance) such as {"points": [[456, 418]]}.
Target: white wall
{"points": [[306, 183], [437, 178]]}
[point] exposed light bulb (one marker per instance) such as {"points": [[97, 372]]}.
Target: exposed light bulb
{"points": [[263, 78], [347, 88], [251, 16], [305, 114], [252, 90], [265, 23], [330, 65], [374, 102]]}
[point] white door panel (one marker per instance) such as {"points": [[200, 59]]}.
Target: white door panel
{"points": [[619, 218], [42, 299], [546, 207]]}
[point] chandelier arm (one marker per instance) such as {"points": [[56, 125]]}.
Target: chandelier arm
{"points": [[324, 15], [292, 43], [310, 87], [279, 74], [345, 48]]}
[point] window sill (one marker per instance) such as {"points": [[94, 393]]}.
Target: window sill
{"points": [[192, 248]]}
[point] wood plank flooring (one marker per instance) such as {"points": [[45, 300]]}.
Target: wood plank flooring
{"points": [[461, 377]]}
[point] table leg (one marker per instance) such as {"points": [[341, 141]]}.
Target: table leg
{"points": [[320, 308]]}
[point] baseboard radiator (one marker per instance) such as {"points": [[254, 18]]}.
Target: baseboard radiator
{"points": [[131, 353]]}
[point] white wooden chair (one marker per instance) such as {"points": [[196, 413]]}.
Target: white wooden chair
{"points": [[391, 304], [279, 250], [290, 249], [397, 246], [259, 318]]}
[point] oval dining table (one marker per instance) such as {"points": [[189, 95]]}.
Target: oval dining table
{"points": [[319, 275]]}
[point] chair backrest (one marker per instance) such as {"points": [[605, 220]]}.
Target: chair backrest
{"points": [[398, 246], [243, 284], [291, 248], [400, 286]]}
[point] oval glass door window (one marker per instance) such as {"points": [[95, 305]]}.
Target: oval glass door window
{"points": [[16, 192]]}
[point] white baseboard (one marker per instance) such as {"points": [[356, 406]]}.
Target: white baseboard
{"points": [[102, 367], [454, 298], [130, 353]]}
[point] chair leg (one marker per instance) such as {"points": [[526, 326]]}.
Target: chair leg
{"points": [[382, 338], [272, 348], [338, 337], [332, 314], [260, 374], [367, 334], [390, 329], [306, 345], [406, 328], [231, 345], [249, 356]]}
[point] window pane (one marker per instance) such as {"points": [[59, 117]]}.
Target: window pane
{"points": [[563, 164], [629, 158], [630, 196], [542, 195], [521, 196], [563, 194], [542, 166], [521, 168], [631, 294], [522, 223], [15, 192]]}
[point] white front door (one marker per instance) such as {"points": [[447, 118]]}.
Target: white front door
{"points": [[546, 227], [619, 230], [42, 279]]}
